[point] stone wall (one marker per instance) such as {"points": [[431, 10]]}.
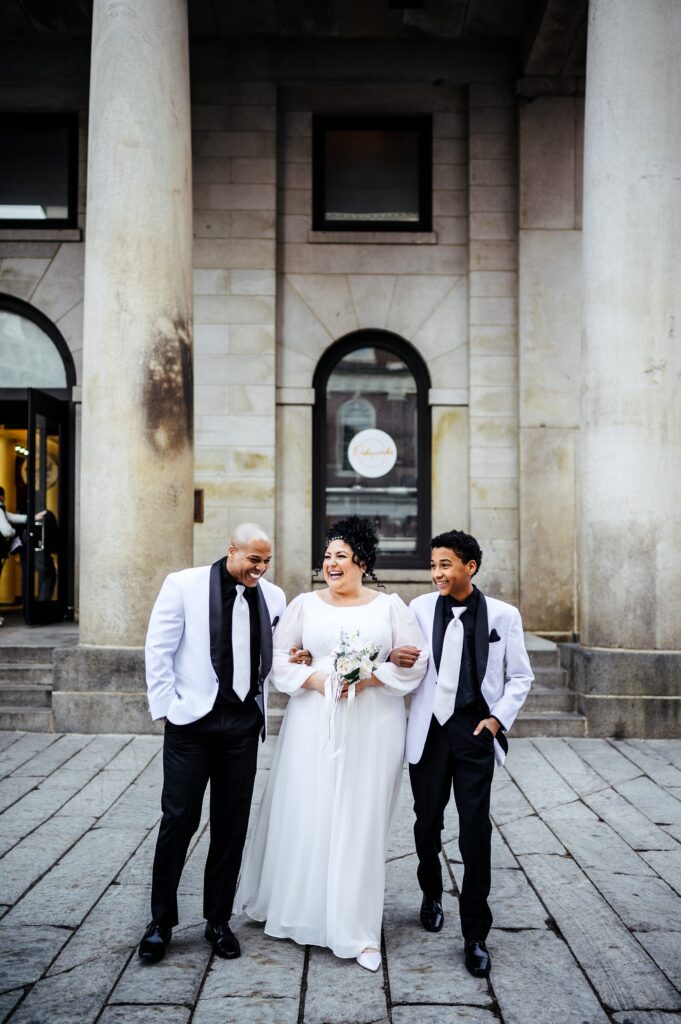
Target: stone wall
{"points": [[330, 284], [494, 335], [234, 139], [270, 295], [550, 290]]}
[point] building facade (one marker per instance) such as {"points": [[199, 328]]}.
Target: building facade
{"points": [[455, 223]]}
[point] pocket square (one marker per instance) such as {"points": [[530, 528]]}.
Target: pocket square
{"points": [[494, 637]]}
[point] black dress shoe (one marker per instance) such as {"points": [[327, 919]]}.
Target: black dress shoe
{"points": [[223, 941], [477, 958], [432, 917], [154, 942]]}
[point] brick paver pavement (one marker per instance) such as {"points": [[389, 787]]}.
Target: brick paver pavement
{"points": [[586, 898]]}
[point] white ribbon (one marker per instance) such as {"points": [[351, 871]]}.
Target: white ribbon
{"points": [[332, 684]]}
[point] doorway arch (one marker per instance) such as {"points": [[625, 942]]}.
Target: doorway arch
{"points": [[37, 422], [33, 351]]}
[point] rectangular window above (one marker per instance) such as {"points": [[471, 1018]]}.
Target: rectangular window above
{"points": [[372, 173], [38, 170]]}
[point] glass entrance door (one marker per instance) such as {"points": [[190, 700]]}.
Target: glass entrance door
{"points": [[46, 562]]}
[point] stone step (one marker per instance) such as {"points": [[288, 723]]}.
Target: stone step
{"points": [[23, 654], [529, 723], [543, 698], [26, 719], [544, 679], [543, 657], [23, 673], [25, 695], [550, 678], [274, 719], [549, 723]]}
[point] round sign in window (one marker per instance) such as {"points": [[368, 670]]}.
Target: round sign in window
{"points": [[372, 453]]}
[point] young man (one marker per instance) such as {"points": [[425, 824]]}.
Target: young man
{"points": [[477, 679], [208, 656]]}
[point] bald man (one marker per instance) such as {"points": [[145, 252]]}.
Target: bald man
{"points": [[208, 655]]}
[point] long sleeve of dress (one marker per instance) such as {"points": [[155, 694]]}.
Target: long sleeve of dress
{"points": [[285, 676], [405, 630]]}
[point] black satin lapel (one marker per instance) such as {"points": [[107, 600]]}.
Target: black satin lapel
{"points": [[438, 631], [215, 615], [481, 638], [265, 635]]}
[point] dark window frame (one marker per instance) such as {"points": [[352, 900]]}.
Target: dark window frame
{"points": [[68, 120], [374, 338], [11, 304], [321, 123]]}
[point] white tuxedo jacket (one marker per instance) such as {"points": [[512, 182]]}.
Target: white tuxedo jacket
{"points": [[503, 666], [182, 647]]}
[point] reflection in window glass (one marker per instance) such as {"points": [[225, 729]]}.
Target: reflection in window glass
{"points": [[36, 168], [372, 176], [371, 172], [45, 536], [28, 356], [372, 387]]}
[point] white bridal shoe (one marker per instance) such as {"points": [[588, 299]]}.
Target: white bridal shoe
{"points": [[369, 959]]}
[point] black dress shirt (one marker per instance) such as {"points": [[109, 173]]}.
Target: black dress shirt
{"points": [[468, 693], [226, 666]]}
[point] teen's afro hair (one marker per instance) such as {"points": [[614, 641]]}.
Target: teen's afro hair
{"points": [[360, 535]]}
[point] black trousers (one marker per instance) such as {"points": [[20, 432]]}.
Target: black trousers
{"points": [[221, 748], [454, 757]]}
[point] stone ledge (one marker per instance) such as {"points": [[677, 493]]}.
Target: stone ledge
{"points": [[41, 234], [611, 672], [626, 694], [631, 717], [87, 669], [372, 237], [103, 712]]}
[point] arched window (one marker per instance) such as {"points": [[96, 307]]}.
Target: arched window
{"points": [[372, 444], [33, 353]]}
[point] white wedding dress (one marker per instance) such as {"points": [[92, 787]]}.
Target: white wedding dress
{"points": [[314, 865]]}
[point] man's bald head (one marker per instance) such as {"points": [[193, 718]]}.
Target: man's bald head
{"points": [[245, 532], [249, 554]]}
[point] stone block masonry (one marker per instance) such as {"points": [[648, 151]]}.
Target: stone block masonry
{"points": [[493, 331], [234, 142]]}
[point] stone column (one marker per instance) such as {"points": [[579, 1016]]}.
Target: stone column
{"points": [[137, 451], [631, 419]]}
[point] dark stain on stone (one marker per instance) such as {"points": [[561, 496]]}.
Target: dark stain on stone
{"points": [[168, 390]]}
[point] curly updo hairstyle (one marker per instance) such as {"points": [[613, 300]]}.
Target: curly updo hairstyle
{"points": [[361, 536]]}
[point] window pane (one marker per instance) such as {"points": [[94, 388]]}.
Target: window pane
{"points": [[372, 175], [34, 170], [46, 444], [28, 357], [372, 389]]}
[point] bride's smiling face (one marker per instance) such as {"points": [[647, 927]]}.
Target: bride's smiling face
{"points": [[341, 572]]}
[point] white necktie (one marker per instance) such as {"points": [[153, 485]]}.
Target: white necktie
{"points": [[450, 666], [241, 644]]}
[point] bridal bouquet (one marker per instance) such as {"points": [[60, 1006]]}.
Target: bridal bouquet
{"points": [[352, 660]]}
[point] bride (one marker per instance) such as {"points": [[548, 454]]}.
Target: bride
{"points": [[314, 866]]}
